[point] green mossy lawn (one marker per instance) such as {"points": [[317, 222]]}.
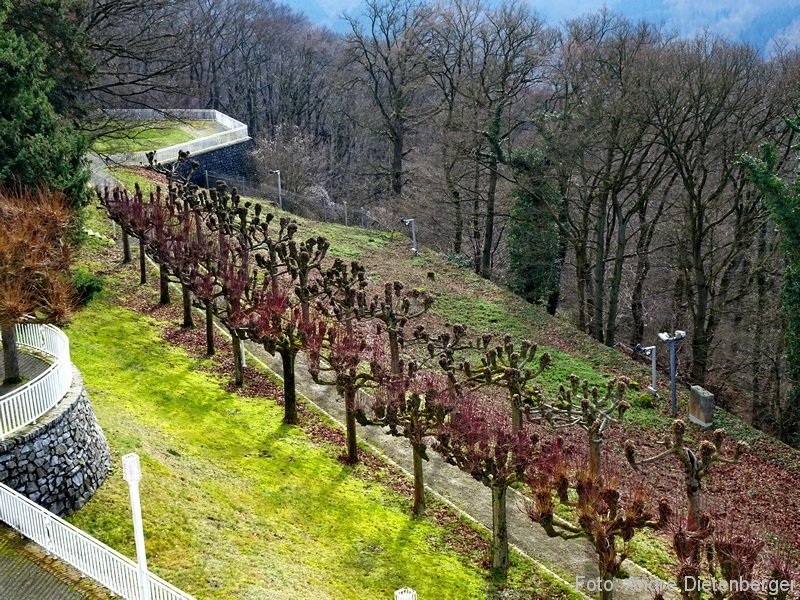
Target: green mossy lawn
{"points": [[235, 503]]}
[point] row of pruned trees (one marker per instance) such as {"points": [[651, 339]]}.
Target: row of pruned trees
{"points": [[614, 141], [470, 398]]}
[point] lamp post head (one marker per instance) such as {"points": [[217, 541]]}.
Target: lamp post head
{"points": [[131, 468], [679, 334], [664, 336]]}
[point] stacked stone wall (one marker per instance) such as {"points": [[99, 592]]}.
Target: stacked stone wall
{"points": [[60, 461]]}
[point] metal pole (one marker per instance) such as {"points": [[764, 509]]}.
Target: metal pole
{"points": [[345, 214], [132, 473], [206, 175], [672, 375], [414, 237], [363, 217], [242, 352], [653, 368], [280, 191]]}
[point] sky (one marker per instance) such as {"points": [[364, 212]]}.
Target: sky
{"points": [[758, 22]]}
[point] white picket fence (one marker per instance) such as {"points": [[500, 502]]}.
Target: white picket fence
{"points": [[91, 557], [26, 403]]}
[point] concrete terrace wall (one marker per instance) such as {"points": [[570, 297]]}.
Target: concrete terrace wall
{"points": [[61, 461], [235, 133]]}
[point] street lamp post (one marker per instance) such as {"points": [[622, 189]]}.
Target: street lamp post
{"points": [[412, 223], [650, 351], [673, 359], [280, 191], [132, 473]]}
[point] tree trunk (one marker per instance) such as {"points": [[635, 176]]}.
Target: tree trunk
{"points": [[10, 356], [616, 282], [238, 368], [419, 482], [599, 270], [693, 500], [142, 264], [289, 386], [209, 329], [126, 247], [500, 560], [188, 318], [163, 285], [350, 423], [397, 163], [581, 275], [488, 223], [594, 454]]}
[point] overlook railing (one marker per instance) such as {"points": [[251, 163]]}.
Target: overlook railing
{"points": [[25, 404]]}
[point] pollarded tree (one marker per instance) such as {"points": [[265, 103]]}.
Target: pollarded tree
{"points": [[509, 368], [340, 356], [585, 407], [34, 266], [414, 406], [696, 465], [278, 303], [608, 517], [479, 440]]}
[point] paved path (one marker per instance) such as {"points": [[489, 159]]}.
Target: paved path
{"points": [[568, 559], [25, 574], [30, 366]]}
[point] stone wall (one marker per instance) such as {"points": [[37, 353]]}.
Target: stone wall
{"points": [[230, 160], [61, 461]]}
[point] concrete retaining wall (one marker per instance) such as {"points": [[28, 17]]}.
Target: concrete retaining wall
{"points": [[61, 461], [236, 133]]}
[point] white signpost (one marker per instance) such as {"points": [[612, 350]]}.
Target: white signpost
{"points": [[405, 594], [132, 473]]}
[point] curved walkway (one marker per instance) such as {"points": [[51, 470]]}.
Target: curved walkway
{"points": [[29, 365], [23, 575], [570, 559]]}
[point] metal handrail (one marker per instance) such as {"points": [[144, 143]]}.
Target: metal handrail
{"points": [[93, 558], [27, 403]]}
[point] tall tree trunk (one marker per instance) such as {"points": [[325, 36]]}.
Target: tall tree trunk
{"points": [[10, 356], [350, 424], [238, 367], [599, 270], [500, 560], [760, 413], [188, 318], [616, 282], [581, 275], [289, 385], [209, 328], [163, 285], [488, 223], [397, 162], [142, 264], [419, 482], [126, 247]]}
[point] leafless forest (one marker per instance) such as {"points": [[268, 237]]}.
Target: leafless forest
{"points": [[623, 138]]}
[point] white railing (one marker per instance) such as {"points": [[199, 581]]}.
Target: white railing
{"points": [[25, 404], [91, 557]]}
